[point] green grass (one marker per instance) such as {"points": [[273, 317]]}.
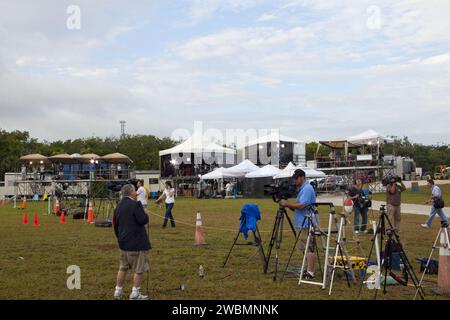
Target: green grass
{"points": [[33, 261], [419, 197]]}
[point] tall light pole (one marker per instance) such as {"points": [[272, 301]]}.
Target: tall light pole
{"points": [[122, 128]]}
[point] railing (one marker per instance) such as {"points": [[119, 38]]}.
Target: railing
{"points": [[324, 163], [99, 174]]}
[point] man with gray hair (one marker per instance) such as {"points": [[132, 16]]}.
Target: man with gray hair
{"points": [[129, 222]]}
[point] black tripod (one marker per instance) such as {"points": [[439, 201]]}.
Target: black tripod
{"points": [[392, 244], [277, 238]]}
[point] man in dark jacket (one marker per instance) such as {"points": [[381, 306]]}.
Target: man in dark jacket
{"points": [[129, 221]]}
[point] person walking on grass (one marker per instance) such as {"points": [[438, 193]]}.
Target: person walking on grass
{"points": [[141, 193], [436, 208], [169, 195], [356, 194], [129, 227]]}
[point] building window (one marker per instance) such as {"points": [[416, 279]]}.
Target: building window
{"points": [[153, 181]]}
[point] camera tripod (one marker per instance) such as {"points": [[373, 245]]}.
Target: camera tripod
{"points": [[277, 238], [444, 240], [392, 242]]}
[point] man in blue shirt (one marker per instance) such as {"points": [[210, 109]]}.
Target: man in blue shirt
{"points": [[306, 197]]}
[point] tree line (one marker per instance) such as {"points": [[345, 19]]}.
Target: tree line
{"points": [[144, 149]]}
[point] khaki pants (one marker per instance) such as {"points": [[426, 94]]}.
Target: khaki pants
{"points": [[394, 214], [136, 260]]}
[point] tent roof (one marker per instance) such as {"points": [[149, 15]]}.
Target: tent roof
{"points": [[34, 157], [64, 157], [369, 137], [116, 158], [338, 144], [195, 144], [273, 137], [266, 171], [88, 156], [218, 173], [310, 173], [242, 168]]}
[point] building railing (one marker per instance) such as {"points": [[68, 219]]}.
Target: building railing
{"points": [[97, 174]]}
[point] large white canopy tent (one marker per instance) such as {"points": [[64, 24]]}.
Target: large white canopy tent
{"points": [[242, 168], [264, 172], [309, 172], [369, 137], [218, 173], [196, 144]]}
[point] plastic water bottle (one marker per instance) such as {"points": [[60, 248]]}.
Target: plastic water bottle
{"points": [[201, 271]]}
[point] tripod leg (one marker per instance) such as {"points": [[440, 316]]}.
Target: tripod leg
{"points": [[292, 253], [374, 241], [308, 240], [272, 240], [258, 241], [428, 263], [231, 249], [336, 257], [278, 241]]}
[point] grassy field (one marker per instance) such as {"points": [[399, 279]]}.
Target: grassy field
{"points": [[34, 260], [419, 197]]}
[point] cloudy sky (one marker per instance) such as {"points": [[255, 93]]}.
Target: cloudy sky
{"points": [[313, 69]]}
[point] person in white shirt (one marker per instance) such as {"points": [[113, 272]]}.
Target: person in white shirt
{"points": [[141, 193], [169, 195], [435, 195]]}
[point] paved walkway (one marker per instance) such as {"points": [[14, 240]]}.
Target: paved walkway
{"points": [[418, 209]]}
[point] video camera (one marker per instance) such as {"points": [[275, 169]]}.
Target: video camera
{"points": [[281, 191], [116, 186], [387, 180]]}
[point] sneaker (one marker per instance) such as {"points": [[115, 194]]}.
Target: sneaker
{"points": [[356, 231], [138, 296], [424, 225], [118, 294], [308, 275], [365, 231]]}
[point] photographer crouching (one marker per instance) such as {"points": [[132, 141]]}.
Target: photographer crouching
{"points": [[129, 220], [394, 190], [305, 198]]}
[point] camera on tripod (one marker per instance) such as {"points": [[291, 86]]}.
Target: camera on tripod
{"points": [[281, 191], [388, 180]]}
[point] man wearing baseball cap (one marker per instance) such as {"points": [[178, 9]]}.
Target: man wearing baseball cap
{"points": [[306, 197]]}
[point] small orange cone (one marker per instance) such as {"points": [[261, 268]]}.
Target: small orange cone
{"points": [[63, 218], [199, 232], [90, 213], [443, 283], [25, 219], [24, 203], [36, 221], [57, 207]]}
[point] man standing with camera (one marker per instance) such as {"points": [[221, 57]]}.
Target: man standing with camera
{"points": [[129, 226], [437, 205], [394, 200], [306, 197]]}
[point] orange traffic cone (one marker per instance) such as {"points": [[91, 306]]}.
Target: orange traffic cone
{"points": [[199, 232], [443, 284], [57, 207], [25, 219], [36, 221], [24, 203], [90, 213], [63, 218]]}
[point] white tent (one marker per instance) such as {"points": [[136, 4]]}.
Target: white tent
{"points": [[242, 168], [310, 173], [196, 144], [264, 172], [218, 173], [369, 137]]}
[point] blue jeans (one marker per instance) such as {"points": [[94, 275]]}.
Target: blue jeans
{"points": [[363, 213], [169, 207], [433, 213]]}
